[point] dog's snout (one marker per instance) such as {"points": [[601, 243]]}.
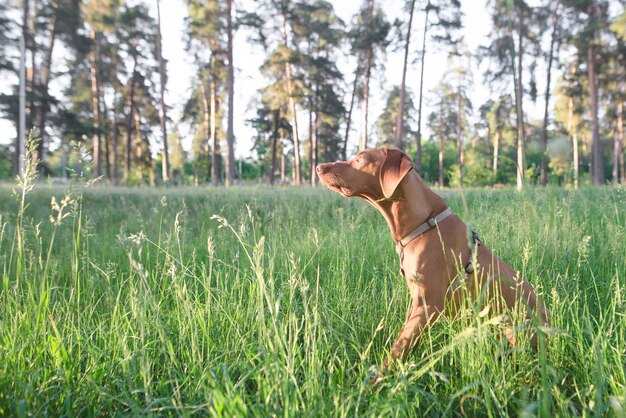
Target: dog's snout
{"points": [[322, 168]]}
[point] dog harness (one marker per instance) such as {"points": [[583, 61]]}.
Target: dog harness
{"points": [[426, 226]]}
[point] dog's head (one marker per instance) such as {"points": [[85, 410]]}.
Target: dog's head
{"points": [[374, 173]]}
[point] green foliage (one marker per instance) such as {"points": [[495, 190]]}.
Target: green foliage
{"points": [[619, 26], [476, 168], [143, 303], [430, 160], [6, 162], [386, 122]]}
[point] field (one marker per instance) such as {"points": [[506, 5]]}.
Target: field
{"points": [[142, 302]]}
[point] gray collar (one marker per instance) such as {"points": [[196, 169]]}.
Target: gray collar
{"points": [[430, 223]]}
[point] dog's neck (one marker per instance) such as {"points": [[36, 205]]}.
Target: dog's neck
{"points": [[413, 203]]}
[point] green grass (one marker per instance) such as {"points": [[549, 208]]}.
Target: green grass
{"points": [[138, 302]]}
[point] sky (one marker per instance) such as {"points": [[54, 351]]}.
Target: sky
{"points": [[248, 59]]}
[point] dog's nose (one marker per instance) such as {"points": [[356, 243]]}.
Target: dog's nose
{"points": [[321, 168]]}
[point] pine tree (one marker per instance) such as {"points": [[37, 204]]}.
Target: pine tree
{"points": [[162, 110], [369, 37], [511, 38], [399, 128], [589, 17], [386, 124], [442, 19], [206, 26], [316, 36]]}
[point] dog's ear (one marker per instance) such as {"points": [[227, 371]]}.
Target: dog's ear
{"points": [[394, 168]]}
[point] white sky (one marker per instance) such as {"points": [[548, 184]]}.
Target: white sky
{"points": [[248, 59]]}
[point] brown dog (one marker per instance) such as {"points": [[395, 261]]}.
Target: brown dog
{"points": [[432, 243]]}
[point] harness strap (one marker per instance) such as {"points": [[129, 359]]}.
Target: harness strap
{"points": [[429, 224], [469, 267]]}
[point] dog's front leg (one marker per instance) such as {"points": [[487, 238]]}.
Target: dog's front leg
{"points": [[419, 319]]}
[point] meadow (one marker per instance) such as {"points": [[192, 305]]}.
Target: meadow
{"points": [[259, 301]]}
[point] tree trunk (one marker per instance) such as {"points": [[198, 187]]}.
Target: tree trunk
{"points": [[366, 98], [274, 145], [459, 130], [400, 117], [314, 150], [282, 165], [571, 127], [544, 156], [64, 149], [519, 93], [349, 117], [496, 150], [31, 72], [230, 81], [489, 144], [620, 138], [441, 153], [297, 171], [104, 114], [44, 83], [130, 104], [216, 176], [311, 167], [597, 167], [79, 161], [115, 140], [418, 139], [208, 124], [95, 104], [139, 146], [20, 140], [618, 153], [162, 110]]}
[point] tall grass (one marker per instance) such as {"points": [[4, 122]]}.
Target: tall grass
{"points": [[260, 301]]}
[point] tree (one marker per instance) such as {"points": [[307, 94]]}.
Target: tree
{"points": [[590, 17], [399, 130], [453, 108], [178, 156], [596, 151], [206, 26], [512, 20], [447, 20], [442, 122], [136, 36], [6, 26], [386, 124], [273, 22], [499, 123], [355, 87], [100, 16], [569, 109], [20, 142], [316, 36], [272, 127], [369, 38], [230, 82], [614, 76], [162, 112], [463, 104], [554, 18]]}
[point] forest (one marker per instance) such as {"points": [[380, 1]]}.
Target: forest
{"points": [[110, 119], [163, 251]]}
